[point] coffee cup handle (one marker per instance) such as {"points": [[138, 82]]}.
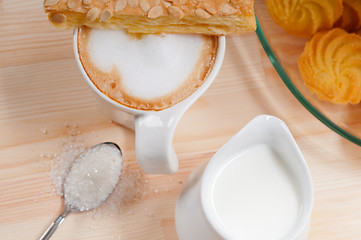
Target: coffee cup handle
{"points": [[153, 142]]}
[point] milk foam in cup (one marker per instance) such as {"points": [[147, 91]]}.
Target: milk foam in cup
{"points": [[154, 127], [256, 187], [150, 72]]}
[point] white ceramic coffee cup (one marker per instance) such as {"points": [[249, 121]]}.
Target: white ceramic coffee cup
{"points": [[195, 217], [154, 130]]}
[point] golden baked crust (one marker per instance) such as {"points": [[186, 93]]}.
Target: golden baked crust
{"points": [[304, 17], [351, 16], [331, 68], [216, 17]]}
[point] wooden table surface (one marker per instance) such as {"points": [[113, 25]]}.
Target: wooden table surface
{"points": [[44, 103]]}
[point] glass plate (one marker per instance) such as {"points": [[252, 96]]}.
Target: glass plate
{"points": [[283, 51]]}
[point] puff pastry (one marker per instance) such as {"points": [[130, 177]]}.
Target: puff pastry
{"points": [[216, 17], [304, 17], [331, 68]]}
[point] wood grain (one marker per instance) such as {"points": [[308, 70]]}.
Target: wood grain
{"points": [[41, 89]]}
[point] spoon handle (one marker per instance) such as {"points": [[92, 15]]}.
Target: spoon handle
{"points": [[51, 229]]}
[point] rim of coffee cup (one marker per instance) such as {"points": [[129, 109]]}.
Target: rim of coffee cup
{"points": [[209, 178], [221, 47]]}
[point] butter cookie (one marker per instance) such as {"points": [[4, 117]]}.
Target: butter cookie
{"points": [[330, 65], [351, 16], [304, 17]]}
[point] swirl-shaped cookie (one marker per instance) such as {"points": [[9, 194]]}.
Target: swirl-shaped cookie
{"points": [[351, 16], [358, 31], [305, 17], [331, 66]]}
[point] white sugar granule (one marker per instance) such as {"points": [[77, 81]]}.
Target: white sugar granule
{"points": [[62, 161], [131, 188], [92, 177]]}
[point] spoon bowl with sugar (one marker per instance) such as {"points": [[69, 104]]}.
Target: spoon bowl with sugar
{"points": [[90, 181]]}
